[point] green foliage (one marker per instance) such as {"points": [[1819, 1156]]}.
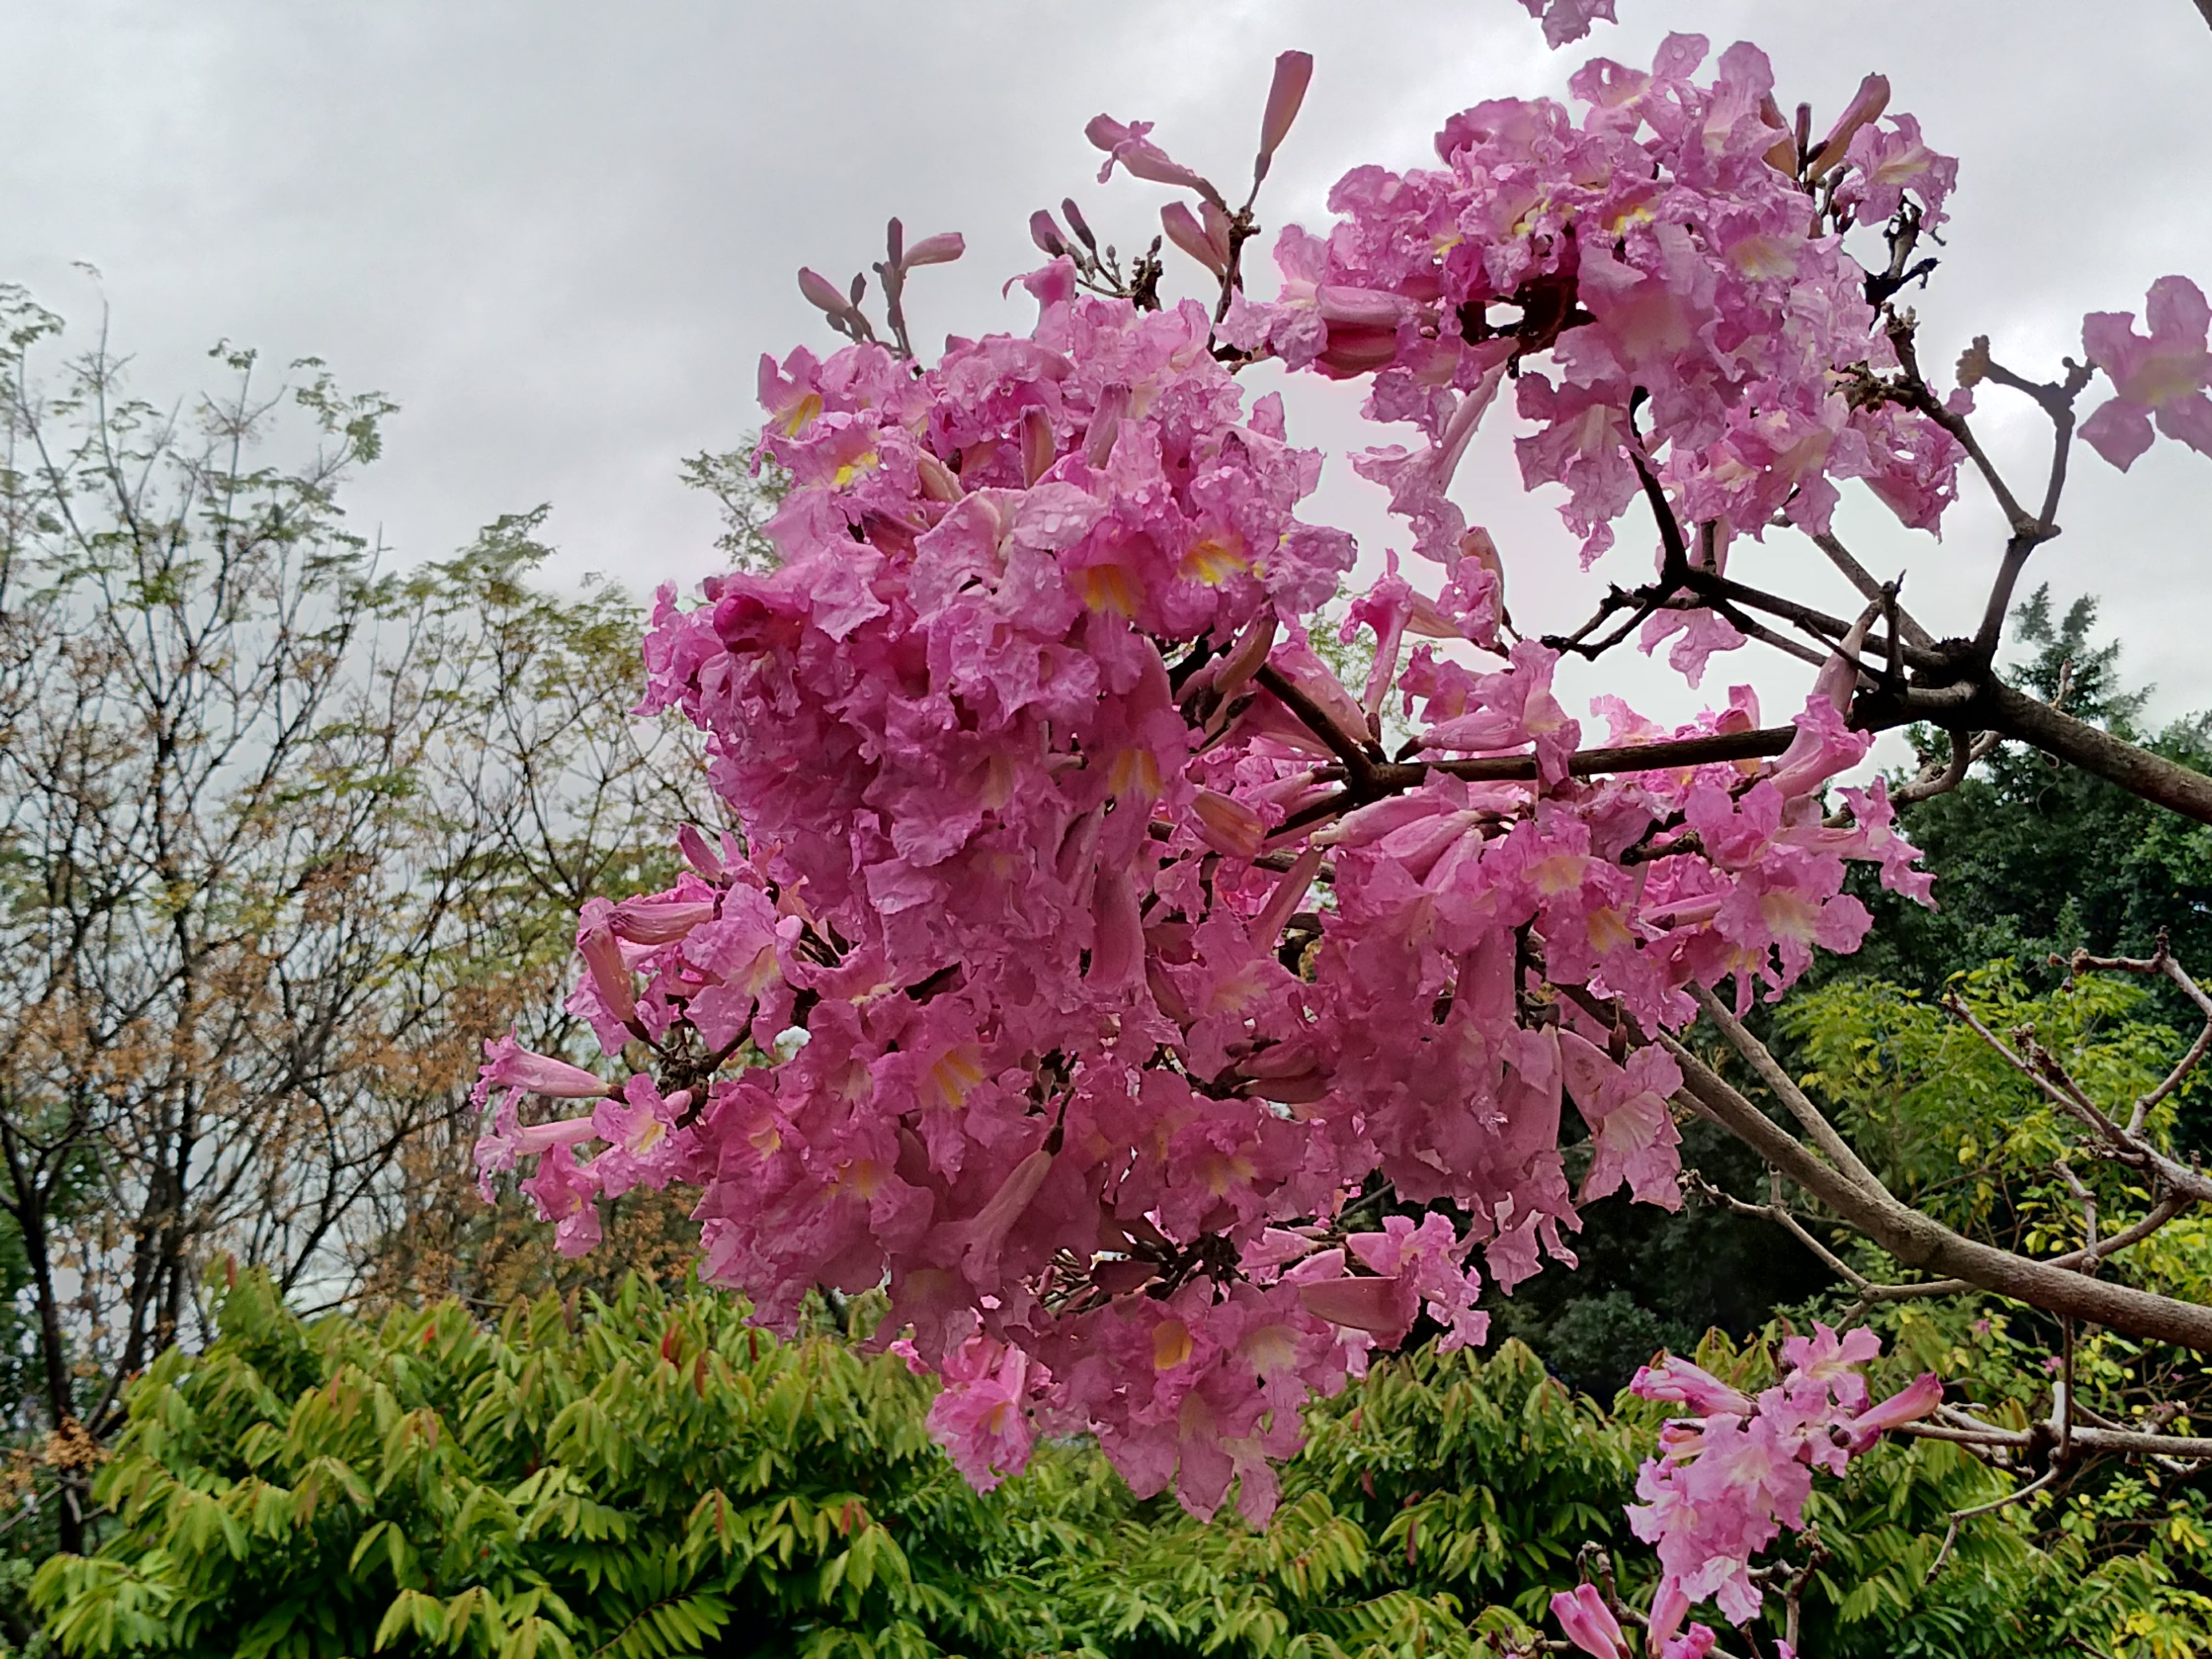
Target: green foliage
{"points": [[633, 1478], [1954, 1129], [747, 487], [1445, 1497], [646, 1476], [1437, 1507], [1944, 1115]]}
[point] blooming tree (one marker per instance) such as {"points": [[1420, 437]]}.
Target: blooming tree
{"points": [[1084, 968]]}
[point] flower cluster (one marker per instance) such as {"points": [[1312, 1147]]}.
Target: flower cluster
{"points": [[1731, 1477], [1674, 256], [1080, 969]]}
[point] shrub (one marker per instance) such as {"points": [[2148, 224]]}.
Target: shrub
{"points": [[632, 1477]]}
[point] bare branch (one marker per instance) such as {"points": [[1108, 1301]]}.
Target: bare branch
{"points": [[2160, 962], [1931, 780], [2120, 1145], [1921, 1241], [1859, 577], [1769, 1072], [1664, 755]]}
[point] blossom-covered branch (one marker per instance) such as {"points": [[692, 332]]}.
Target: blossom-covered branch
{"points": [[1085, 973]]}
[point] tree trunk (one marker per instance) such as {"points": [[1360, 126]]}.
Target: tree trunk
{"points": [[53, 1349]]}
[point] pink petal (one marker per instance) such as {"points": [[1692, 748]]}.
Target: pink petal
{"points": [[2189, 420], [2120, 432], [2177, 312]]}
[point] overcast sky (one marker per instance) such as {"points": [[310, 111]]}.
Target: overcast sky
{"points": [[561, 234]]}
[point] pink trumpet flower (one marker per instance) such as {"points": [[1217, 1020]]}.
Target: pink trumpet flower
{"points": [[1907, 1404], [1127, 144], [509, 1064], [1586, 1621], [1086, 956], [2163, 375]]}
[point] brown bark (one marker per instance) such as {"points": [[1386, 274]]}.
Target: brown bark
{"points": [[2135, 769]]}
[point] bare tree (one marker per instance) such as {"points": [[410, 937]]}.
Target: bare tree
{"points": [[283, 837]]}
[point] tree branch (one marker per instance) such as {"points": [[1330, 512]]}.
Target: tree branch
{"points": [[1862, 579], [2118, 1144], [1660, 757], [1769, 1071], [2159, 961], [1993, 705], [1920, 1240]]}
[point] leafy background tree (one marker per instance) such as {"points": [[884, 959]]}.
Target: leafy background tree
{"points": [[2036, 861]]}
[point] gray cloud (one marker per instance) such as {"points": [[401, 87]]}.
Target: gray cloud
{"points": [[561, 234]]}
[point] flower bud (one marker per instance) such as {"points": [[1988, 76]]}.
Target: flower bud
{"points": [[610, 976], [938, 250], [1077, 223], [1038, 445], [938, 482], [1293, 71], [1589, 1624], [821, 293], [1670, 1605], [1867, 104], [1184, 230], [1044, 231], [702, 857], [1105, 424]]}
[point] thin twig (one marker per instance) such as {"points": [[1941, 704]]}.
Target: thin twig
{"points": [[2160, 962], [1347, 749], [1951, 1532], [1861, 578], [1819, 623], [1781, 1216], [2118, 1144]]}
